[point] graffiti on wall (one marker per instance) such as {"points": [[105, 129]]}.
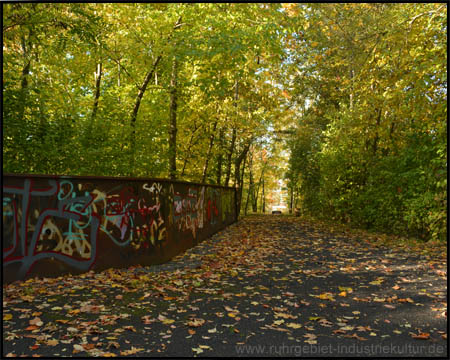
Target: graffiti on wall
{"points": [[63, 219]]}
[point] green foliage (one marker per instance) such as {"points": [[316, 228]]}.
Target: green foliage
{"points": [[374, 153]]}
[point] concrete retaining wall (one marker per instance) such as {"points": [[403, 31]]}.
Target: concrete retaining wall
{"points": [[53, 225]]}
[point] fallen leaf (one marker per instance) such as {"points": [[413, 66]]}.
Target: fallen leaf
{"points": [[7, 317], [377, 282], [294, 325], [197, 350], [405, 300], [345, 289], [36, 321], [196, 322], [132, 351], [31, 327], [78, 347], [420, 336]]}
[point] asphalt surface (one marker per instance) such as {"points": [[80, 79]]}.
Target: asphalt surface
{"points": [[266, 286]]}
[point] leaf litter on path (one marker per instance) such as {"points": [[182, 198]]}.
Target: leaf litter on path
{"points": [[257, 280]]}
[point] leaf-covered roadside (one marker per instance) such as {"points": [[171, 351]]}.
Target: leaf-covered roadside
{"points": [[265, 280]]}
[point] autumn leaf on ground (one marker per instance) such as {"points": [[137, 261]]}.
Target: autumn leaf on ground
{"points": [[348, 290], [132, 351], [311, 338], [420, 336], [77, 347], [7, 317], [197, 350], [31, 327], [405, 300], [196, 322], [378, 281], [165, 320], [36, 321], [294, 325], [326, 296]]}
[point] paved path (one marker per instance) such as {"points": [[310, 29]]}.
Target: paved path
{"points": [[266, 286]]}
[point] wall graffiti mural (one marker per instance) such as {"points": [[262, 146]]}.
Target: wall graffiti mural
{"points": [[56, 225]]}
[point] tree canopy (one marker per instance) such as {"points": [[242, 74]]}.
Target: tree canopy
{"points": [[355, 94]]}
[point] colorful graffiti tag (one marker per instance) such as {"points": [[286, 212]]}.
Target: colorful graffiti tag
{"points": [[76, 223]]}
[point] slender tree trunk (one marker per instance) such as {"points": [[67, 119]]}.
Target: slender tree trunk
{"points": [[238, 182], [220, 158], [211, 143], [230, 154], [98, 78], [173, 122], [258, 187], [251, 185], [233, 136], [139, 96], [250, 192], [292, 199], [135, 111], [189, 149], [246, 202], [26, 52], [351, 89], [263, 198], [375, 140]]}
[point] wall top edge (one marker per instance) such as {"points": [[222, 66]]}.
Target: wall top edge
{"points": [[117, 178]]}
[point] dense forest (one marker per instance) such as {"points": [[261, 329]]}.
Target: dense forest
{"points": [[345, 102]]}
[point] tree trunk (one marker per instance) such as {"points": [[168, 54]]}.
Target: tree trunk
{"points": [[189, 149], [173, 122], [211, 143], [351, 89], [98, 78], [230, 154], [220, 158], [263, 198], [137, 104], [139, 96], [250, 192], [238, 182], [255, 204], [233, 136], [292, 200], [26, 49], [251, 185], [375, 140]]}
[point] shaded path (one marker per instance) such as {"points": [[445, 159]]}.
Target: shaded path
{"points": [[266, 286]]}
